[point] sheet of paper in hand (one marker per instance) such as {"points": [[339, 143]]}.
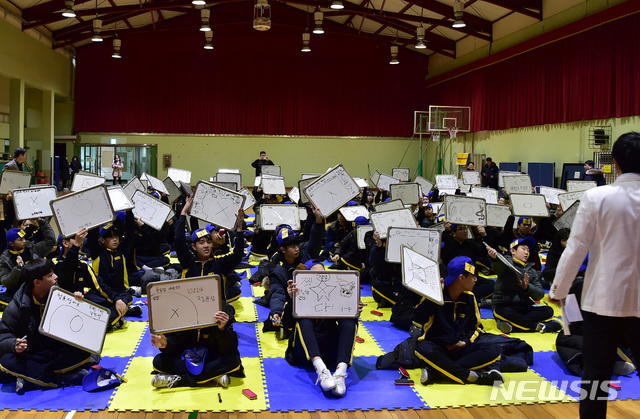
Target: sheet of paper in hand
{"points": [[531, 205], [88, 208], [216, 205], [183, 304], [332, 190], [466, 210], [381, 221], [150, 210], [422, 240], [33, 202], [272, 215], [76, 322], [421, 275], [326, 294]]}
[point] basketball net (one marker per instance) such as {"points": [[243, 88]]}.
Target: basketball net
{"points": [[453, 132]]}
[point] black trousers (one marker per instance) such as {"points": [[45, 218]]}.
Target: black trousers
{"points": [[94, 297], [213, 368], [523, 318], [384, 293], [334, 345], [456, 365], [483, 288], [43, 367], [602, 336]]}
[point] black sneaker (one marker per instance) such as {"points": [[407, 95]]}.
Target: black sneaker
{"points": [[134, 311], [485, 303], [493, 377], [551, 326]]}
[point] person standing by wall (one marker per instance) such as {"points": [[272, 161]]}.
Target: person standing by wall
{"points": [[263, 160], [606, 227], [117, 167], [490, 174]]}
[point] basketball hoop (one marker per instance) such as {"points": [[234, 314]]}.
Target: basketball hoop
{"points": [[435, 136], [453, 132]]}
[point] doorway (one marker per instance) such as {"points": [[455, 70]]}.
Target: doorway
{"points": [[137, 159]]}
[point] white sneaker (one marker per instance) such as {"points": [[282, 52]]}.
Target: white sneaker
{"points": [[165, 380], [341, 385], [223, 381], [326, 380]]}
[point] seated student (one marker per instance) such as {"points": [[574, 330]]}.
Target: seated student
{"points": [[336, 231], [448, 345], [367, 199], [553, 257], [426, 217], [386, 277], [347, 255], [74, 275], [207, 254], [36, 361], [112, 268], [20, 251], [152, 246], [325, 343], [515, 295], [198, 357]]}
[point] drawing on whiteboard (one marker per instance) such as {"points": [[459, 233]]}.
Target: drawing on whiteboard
{"points": [[332, 190], [216, 205], [532, 205], [466, 210], [517, 184], [381, 221], [425, 241], [33, 202], [421, 275], [271, 216], [328, 294]]}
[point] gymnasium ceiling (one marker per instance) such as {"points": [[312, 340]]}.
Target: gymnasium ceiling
{"points": [[391, 21]]}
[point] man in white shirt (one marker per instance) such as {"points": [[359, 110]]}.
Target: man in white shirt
{"points": [[607, 227]]}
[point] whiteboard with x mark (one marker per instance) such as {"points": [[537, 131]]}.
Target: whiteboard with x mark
{"points": [[33, 202], [216, 205]]}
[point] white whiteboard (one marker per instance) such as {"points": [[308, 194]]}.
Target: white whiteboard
{"points": [[421, 275], [294, 195], [502, 174], [497, 215], [567, 199], [82, 182], [271, 216], [249, 200], [375, 177], [272, 186], [309, 176], [156, 183], [216, 205], [228, 170], [302, 184], [150, 210], [446, 182], [132, 186], [33, 202], [529, 205], [436, 206], [269, 169], [172, 188], [232, 186], [230, 177], [326, 294], [182, 304], [422, 240], [517, 184], [551, 194], [385, 181], [88, 208], [408, 193], [463, 188], [332, 190], [389, 205], [580, 185], [381, 221], [466, 210], [361, 231], [490, 195], [12, 179], [567, 218], [79, 323], [179, 175], [400, 173], [361, 182], [470, 177], [425, 185], [118, 198], [302, 212], [351, 213]]}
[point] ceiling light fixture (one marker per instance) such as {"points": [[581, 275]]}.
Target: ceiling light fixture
{"points": [[420, 44], [458, 14], [317, 18], [97, 28], [117, 44], [337, 5], [205, 25], [198, 2], [68, 9], [394, 55], [262, 16], [306, 38], [208, 40]]}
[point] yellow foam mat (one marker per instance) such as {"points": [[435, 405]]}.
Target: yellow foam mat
{"points": [[138, 394], [270, 346], [557, 311], [245, 310], [370, 304], [518, 388], [123, 342], [538, 341], [257, 291], [369, 347]]}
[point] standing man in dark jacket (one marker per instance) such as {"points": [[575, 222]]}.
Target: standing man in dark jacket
{"points": [[490, 174], [18, 162], [262, 161]]}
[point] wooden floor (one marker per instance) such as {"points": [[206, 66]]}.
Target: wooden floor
{"points": [[618, 409]]}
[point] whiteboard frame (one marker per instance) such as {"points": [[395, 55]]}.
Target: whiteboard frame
{"points": [[73, 194], [561, 198], [375, 215], [497, 205], [385, 181], [302, 184], [494, 194], [386, 251], [174, 190], [330, 272], [570, 182], [388, 206], [79, 176], [339, 166], [91, 303], [129, 207], [513, 211], [570, 212], [361, 231], [402, 171], [552, 192], [134, 183], [272, 180], [508, 185], [271, 165], [249, 199], [453, 198], [442, 185], [152, 285], [211, 185], [467, 181], [402, 264], [181, 174], [154, 183], [402, 190], [294, 226], [155, 200], [344, 210], [230, 178], [20, 191], [24, 175]]}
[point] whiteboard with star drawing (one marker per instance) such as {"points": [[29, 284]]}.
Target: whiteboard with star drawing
{"points": [[216, 205], [326, 294], [421, 275], [422, 240]]}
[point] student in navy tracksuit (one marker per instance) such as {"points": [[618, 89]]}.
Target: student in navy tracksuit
{"points": [[448, 344]]}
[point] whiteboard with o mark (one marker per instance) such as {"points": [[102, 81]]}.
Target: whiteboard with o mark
{"points": [[529, 205], [183, 304], [422, 240], [88, 208], [74, 321]]}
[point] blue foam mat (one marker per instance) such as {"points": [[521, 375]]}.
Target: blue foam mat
{"points": [[67, 398], [486, 313], [145, 348], [549, 365], [245, 288], [365, 290], [292, 388], [385, 334]]}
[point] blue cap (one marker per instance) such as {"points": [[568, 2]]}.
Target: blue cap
{"points": [[524, 220], [361, 220], [429, 206], [198, 234], [387, 199], [211, 227], [194, 359], [526, 241], [286, 236], [121, 216], [14, 234], [351, 203], [430, 194], [287, 203], [100, 379], [107, 229], [458, 265], [155, 194]]}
